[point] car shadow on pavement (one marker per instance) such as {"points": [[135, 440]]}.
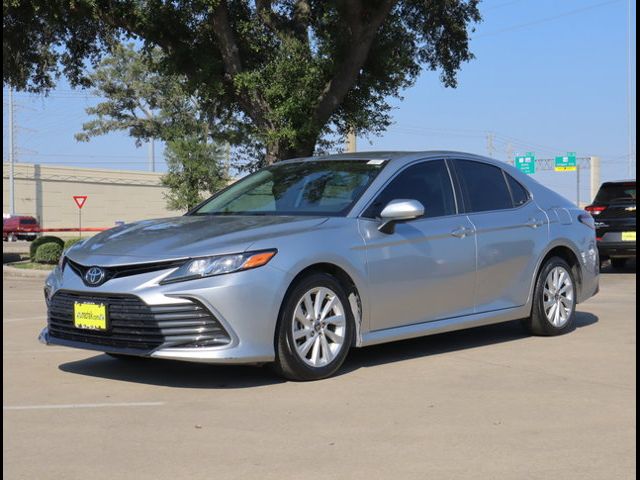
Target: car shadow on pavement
{"points": [[446, 342], [169, 373]]}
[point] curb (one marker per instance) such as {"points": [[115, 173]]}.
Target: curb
{"points": [[21, 273]]}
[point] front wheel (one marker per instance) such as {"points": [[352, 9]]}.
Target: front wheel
{"points": [[554, 301], [315, 329]]}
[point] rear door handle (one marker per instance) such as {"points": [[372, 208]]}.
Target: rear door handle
{"points": [[461, 232], [534, 223]]}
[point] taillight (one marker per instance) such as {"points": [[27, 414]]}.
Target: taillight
{"points": [[587, 219], [595, 210]]}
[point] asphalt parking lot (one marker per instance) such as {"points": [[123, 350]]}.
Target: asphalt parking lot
{"points": [[485, 403]]}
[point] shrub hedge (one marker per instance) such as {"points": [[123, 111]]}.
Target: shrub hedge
{"points": [[41, 241], [48, 253]]}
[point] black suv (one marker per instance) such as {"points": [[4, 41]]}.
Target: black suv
{"points": [[614, 210]]}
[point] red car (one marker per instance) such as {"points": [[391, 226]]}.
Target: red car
{"points": [[19, 227]]}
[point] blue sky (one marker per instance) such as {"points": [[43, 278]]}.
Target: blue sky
{"points": [[549, 77]]}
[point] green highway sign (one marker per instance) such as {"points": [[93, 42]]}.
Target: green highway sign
{"points": [[526, 163], [566, 163]]}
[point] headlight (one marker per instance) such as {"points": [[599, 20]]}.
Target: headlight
{"points": [[219, 265]]}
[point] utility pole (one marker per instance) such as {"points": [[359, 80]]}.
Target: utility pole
{"points": [[510, 159], [227, 160], [578, 184], [490, 147], [630, 152], [594, 165], [152, 156], [352, 146], [12, 159]]}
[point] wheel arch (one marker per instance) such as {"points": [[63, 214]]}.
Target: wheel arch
{"points": [[566, 253], [345, 280]]}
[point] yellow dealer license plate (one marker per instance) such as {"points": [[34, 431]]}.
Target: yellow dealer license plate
{"points": [[628, 236], [90, 316]]}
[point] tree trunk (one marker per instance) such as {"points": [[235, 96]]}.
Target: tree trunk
{"points": [[282, 150]]}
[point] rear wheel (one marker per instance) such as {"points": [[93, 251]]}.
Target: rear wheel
{"points": [[554, 301], [315, 329], [618, 263]]}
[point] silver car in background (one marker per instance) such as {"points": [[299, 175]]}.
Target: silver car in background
{"points": [[301, 261]]}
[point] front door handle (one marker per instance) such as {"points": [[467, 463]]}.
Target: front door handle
{"points": [[534, 223], [461, 232]]}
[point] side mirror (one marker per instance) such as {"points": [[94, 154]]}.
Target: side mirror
{"points": [[399, 211]]}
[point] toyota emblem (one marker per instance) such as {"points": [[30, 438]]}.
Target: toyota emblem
{"points": [[94, 276]]}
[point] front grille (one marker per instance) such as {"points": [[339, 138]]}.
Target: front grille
{"points": [[135, 325], [123, 270]]}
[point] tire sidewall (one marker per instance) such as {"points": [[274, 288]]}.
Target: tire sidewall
{"points": [[539, 313], [285, 349]]}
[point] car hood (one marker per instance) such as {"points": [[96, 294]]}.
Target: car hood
{"points": [[183, 237]]}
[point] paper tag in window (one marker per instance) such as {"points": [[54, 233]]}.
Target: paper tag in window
{"points": [[375, 162]]}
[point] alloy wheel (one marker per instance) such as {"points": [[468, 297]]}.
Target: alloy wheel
{"points": [[558, 297], [319, 327]]}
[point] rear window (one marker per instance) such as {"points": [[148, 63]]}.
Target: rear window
{"points": [[617, 192], [28, 221], [518, 192], [484, 186]]}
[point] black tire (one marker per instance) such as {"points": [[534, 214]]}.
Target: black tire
{"points": [[538, 323], [288, 363], [618, 263]]}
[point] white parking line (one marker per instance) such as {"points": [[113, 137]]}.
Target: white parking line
{"points": [[44, 349], [83, 405], [10, 320], [23, 301]]}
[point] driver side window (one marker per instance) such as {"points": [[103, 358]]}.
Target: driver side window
{"points": [[427, 182]]}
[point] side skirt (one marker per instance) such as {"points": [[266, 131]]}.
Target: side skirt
{"points": [[445, 325]]}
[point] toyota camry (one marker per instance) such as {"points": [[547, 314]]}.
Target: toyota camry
{"points": [[297, 263]]}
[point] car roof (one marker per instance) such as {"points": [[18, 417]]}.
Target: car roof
{"points": [[395, 156]]}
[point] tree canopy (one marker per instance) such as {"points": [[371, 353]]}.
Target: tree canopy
{"points": [[194, 167], [148, 103], [290, 69]]}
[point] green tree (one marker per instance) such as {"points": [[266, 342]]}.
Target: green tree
{"points": [[195, 168], [149, 103], [294, 69]]}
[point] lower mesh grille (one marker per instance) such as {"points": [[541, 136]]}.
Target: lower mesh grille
{"points": [[135, 325]]}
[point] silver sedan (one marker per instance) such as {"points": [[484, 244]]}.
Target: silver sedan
{"points": [[301, 261]]}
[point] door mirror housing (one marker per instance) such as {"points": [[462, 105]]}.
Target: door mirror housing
{"points": [[400, 210]]}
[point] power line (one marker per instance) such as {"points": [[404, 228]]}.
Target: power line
{"points": [[544, 20]]}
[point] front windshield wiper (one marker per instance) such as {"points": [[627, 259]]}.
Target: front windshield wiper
{"points": [[229, 214]]}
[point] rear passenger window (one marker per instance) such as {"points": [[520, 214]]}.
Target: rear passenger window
{"points": [[484, 186], [518, 192], [428, 182]]}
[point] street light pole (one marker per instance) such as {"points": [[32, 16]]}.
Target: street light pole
{"points": [[630, 152], [12, 199], [152, 156]]}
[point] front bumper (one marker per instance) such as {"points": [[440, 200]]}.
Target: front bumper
{"points": [[246, 304]]}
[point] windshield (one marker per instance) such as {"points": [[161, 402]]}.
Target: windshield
{"points": [[617, 192], [327, 188]]}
